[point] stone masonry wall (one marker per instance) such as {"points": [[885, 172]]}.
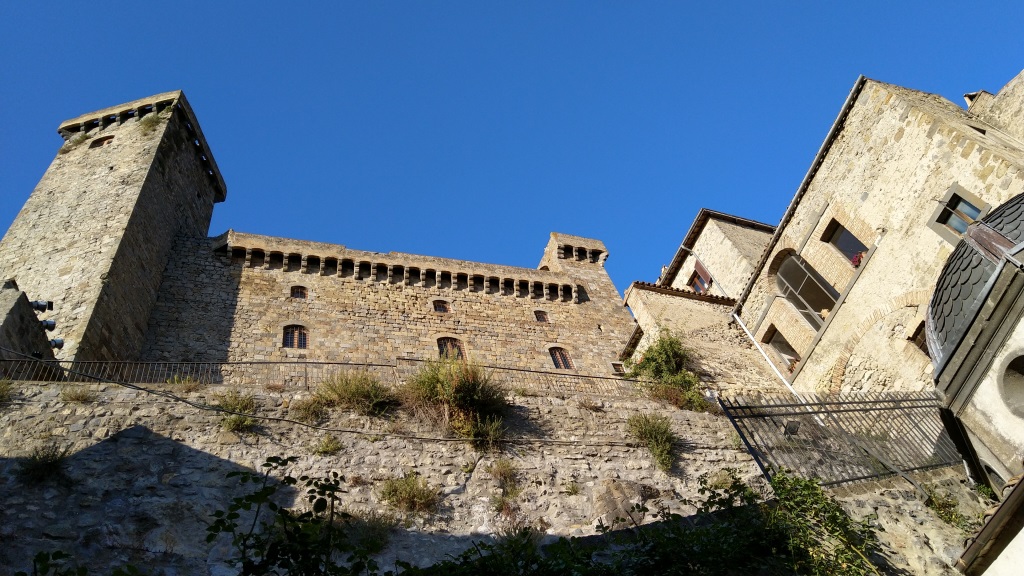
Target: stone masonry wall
{"points": [[147, 473], [723, 356], [898, 154], [233, 304], [20, 330], [729, 252], [96, 232]]}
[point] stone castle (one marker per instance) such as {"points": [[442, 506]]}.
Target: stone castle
{"points": [[889, 262]]}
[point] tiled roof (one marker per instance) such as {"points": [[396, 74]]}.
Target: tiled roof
{"points": [[961, 288], [684, 293]]}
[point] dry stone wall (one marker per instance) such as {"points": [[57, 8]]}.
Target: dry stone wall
{"points": [[147, 473]]}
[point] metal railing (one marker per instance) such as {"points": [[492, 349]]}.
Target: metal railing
{"points": [[844, 438], [294, 375]]}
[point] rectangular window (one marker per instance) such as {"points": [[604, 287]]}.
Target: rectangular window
{"points": [[844, 241], [700, 280], [957, 210], [958, 214]]}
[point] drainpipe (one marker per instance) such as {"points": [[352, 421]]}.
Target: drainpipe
{"points": [[766, 358]]}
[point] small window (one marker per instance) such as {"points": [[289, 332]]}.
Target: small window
{"points": [[561, 358], [295, 336], [540, 315], [450, 348], [957, 214], [784, 352], [103, 141], [298, 291], [844, 241], [442, 306], [618, 369], [700, 280]]}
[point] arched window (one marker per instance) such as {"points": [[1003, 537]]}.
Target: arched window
{"points": [[442, 306], [298, 291], [561, 358], [809, 293], [540, 315], [295, 336], [449, 348]]}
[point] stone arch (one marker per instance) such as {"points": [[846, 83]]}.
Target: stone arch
{"points": [[911, 299]]}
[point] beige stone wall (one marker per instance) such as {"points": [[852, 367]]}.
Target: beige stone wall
{"points": [[723, 356], [371, 307], [898, 154], [729, 252]]}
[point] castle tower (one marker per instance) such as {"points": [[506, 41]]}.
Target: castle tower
{"points": [[97, 231]]}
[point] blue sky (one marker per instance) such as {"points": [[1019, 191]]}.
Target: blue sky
{"points": [[473, 129]]}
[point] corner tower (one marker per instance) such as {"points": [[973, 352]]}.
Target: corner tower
{"points": [[97, 231]]}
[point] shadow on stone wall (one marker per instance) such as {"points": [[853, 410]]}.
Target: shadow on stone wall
{"points": [[135, 498], [195, 311]]}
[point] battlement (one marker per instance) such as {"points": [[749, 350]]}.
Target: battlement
{"points": [[322, 259], [135, 110], [569, 247]]}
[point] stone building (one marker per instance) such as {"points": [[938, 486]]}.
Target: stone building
{"points": [[896, 267], [838, 297], [135, 276], [694, 297]]}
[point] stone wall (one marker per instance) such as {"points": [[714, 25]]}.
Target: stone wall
{"points": [[21, 334], [898, 153], [229, 299], [727, 250], [96, 233], [723, 356], [147, 473]]}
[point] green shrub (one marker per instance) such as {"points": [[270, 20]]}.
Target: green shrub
{"points": [[43, 463], [410, 493], [6, 390], [469, 402], [504, 471], [359, 391], [244, 405], [310, 410], [327, 446], [663, 373], [655, 432], [79, 394]]}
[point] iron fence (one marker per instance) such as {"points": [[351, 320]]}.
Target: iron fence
{"points": [[291, 375], [843, 438]]}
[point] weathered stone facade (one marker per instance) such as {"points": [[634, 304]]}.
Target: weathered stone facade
{"points": [[894, 159], [135, 276], [21, 331], [97, 231]]}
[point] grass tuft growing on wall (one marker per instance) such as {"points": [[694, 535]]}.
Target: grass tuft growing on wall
{"points": [[78, 394], [43, 463], [410, 493], [655, 432], [244, 404], [465, 398], [6, 391], [359, 391]]}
